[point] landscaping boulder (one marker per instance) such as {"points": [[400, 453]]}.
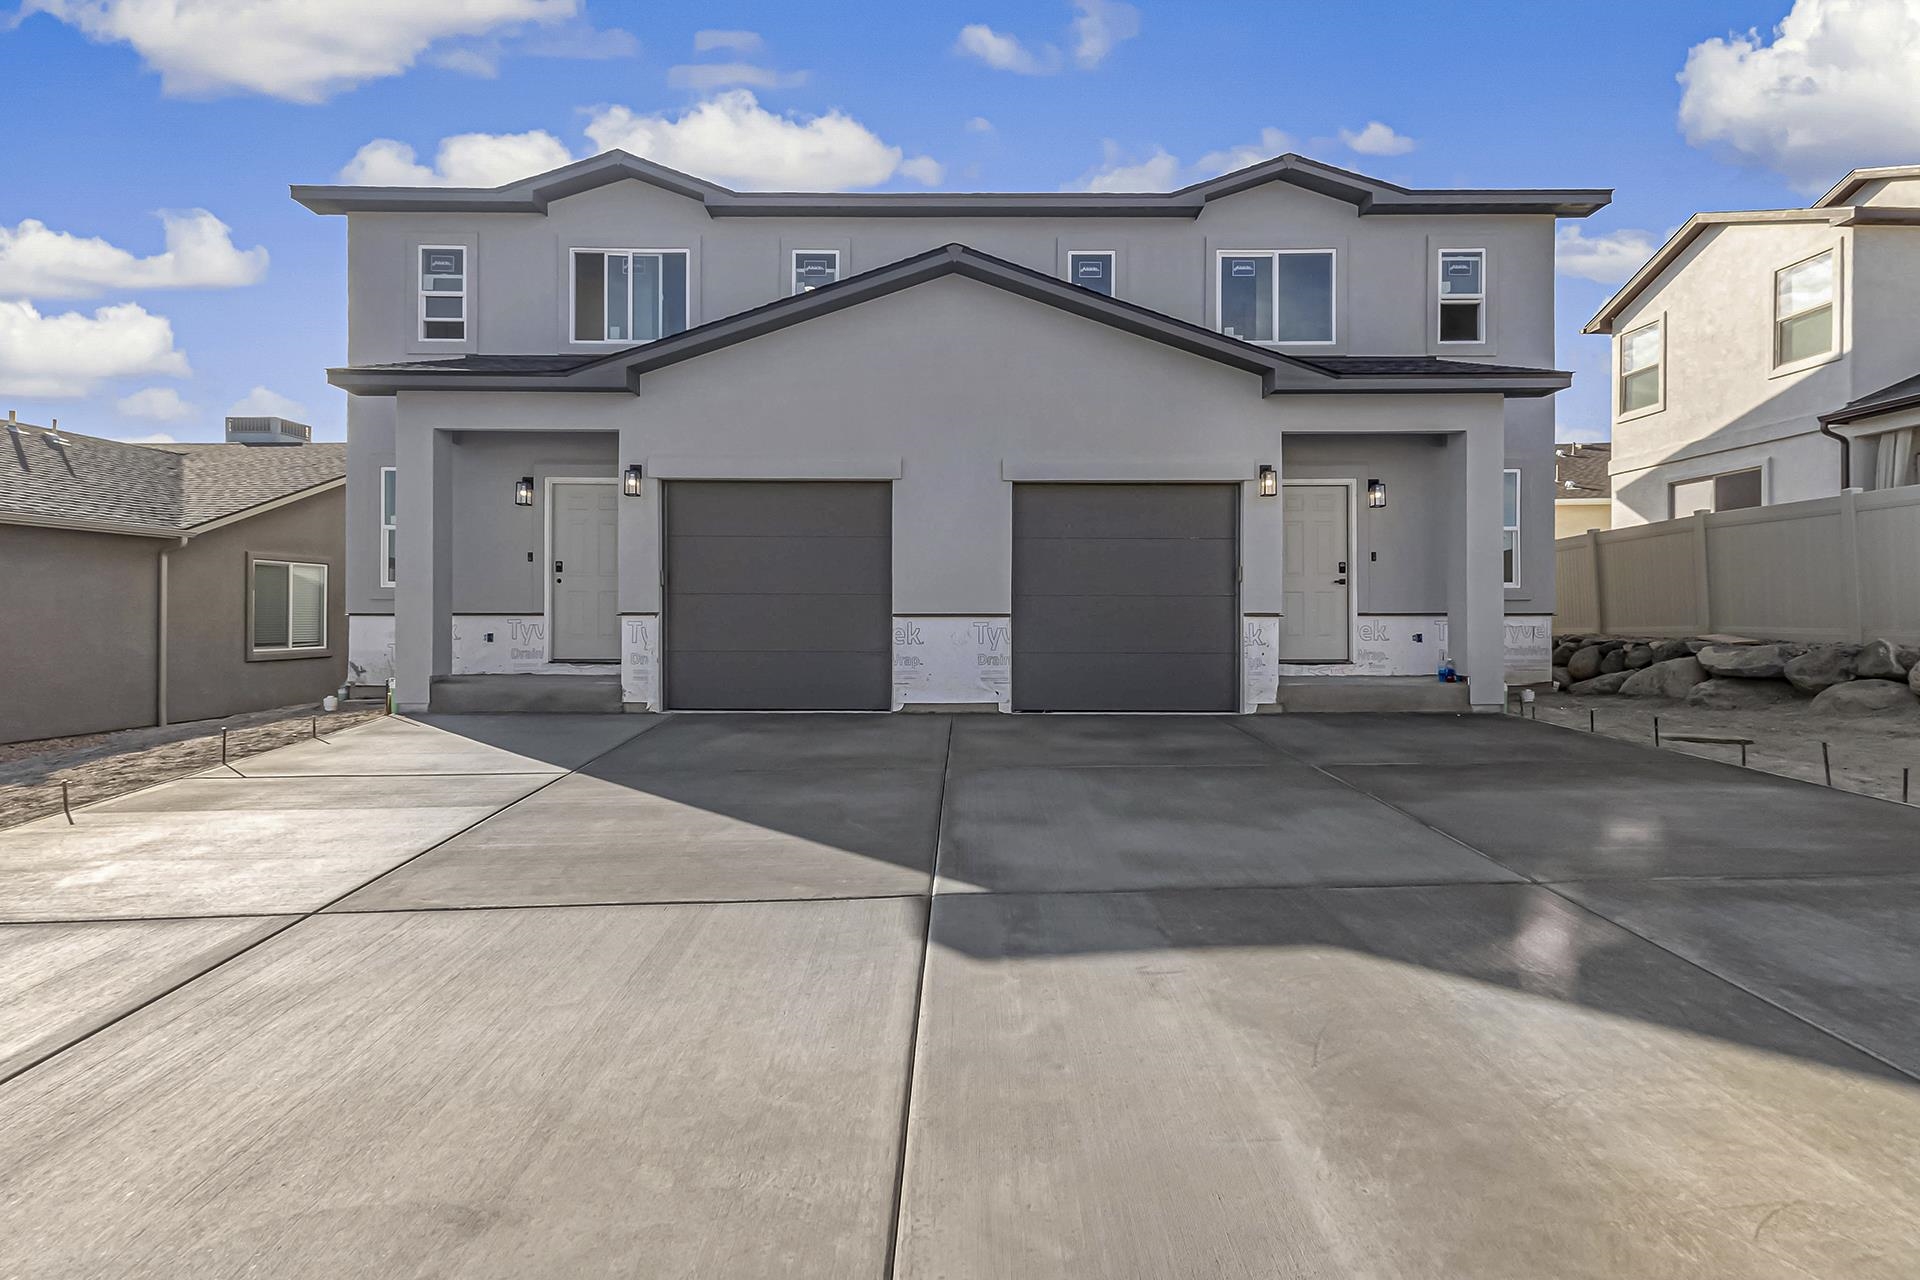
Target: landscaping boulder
{"points": [[1821, 668], [1742, 695], [1585, 663], [1667, 650], [1671, 679], [1562, 677], [1866, 698], [1609, 683], [1639, 656], [1913, 678], [1885, 660], [1564, 650], [1746, 661], [1614, 660]]}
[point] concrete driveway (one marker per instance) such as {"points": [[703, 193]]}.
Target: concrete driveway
{"points": [[971, 997]]}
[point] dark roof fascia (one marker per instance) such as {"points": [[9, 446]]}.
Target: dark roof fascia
{"points": [[1374, 196], [386, 380], [1893, 398], [1518, 385], [887, 204]]}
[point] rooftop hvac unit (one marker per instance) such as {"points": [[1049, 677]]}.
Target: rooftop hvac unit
{"points": [[267, 431]]}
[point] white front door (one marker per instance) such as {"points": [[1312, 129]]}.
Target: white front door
{"points": [[585, 568], [1314, 625]]}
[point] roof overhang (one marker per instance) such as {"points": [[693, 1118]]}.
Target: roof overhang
{"points": [[1848, 187], [126, 528]]}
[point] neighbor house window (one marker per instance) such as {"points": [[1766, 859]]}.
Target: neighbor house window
{"points": [[288, 605], [1728, 491], [1093, 270], [1803, 310], [814, 267], [1642, 355], [628, 295], [389, 504], [1276, 295], [1463, 295], [1510, 528], [443, 293]]}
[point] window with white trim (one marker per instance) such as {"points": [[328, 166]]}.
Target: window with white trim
{"points": [[1803, 310], [1510, 528], [1092, 269], [1642, 357], [1728, 491], [287, 606], [628, 295], [814, 267], [1463, 295], [389, 507], [1276, 295], [443, 293]]}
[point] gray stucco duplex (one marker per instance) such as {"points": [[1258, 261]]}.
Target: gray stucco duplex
{"points": [[1289, 316]]}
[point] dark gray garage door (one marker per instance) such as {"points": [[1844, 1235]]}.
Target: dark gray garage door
{"points": [[779, 596], [1125, 597]]}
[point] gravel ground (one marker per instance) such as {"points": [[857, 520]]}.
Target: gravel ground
{"points": [[1868, 753], [99, 766]]}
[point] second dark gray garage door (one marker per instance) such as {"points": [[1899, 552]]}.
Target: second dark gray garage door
{"points": [[779, 596], [1125, 597]]}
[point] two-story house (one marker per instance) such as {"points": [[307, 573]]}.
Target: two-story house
{"points": [[1770, 356], [1042, 451]]}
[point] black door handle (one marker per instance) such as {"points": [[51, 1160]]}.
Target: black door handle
{"points": [[1339, 582]]}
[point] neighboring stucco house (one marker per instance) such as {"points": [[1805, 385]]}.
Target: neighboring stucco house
{"points": [[154, 584], [1582, 488], [1036, 451], [1770, 356]]}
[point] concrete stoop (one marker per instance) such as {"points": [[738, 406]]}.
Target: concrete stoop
{"points": [[1370, 693], [527, 695]]}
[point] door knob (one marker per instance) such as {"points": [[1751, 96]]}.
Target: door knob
{"points": [[1339, 582]]}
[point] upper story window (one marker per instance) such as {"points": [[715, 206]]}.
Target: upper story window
{"points": [[443, 293], [814, 267], [1276, 295], [1803, 310], [1642, 365], [628, 295], [1092, 269], [1463, 295]]}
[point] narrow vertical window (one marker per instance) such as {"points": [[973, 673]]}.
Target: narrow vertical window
{"points": [[1463, 295], [1641, 357], [1510, 528], [1803, 310], [443, 293], [1092, 270], [628, 295], [814, 267], [288, 606], [389, 507]]}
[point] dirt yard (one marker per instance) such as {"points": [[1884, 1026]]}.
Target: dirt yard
{"points": [[99, 766], [1868, 753]]}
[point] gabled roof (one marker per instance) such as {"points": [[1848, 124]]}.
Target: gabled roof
{"points": [[535, 194], [1904, 394], [152, 490], [1280, 372], [1581, 470], [1848, 187]]}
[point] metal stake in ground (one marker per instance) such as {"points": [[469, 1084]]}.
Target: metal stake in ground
{"points": [[66, 805], [1826, 763], [1656, 731], [223, 744]]}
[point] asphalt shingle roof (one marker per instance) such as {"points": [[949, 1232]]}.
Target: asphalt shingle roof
{"points": [[1580, 470], [1899, 395]]}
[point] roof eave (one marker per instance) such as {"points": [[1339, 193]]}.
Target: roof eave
{"points": [[1510, 386], [1842, 416]]}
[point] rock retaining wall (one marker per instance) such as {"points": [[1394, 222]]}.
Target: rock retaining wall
{"points": [[1729, 673]]}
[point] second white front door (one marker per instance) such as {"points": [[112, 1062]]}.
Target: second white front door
{"points": [[586, 589], [1314, 625]]}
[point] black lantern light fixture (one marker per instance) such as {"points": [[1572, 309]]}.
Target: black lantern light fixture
{"points": [[1376, 494], [630, 483], [1269, 480], [523, 491]]}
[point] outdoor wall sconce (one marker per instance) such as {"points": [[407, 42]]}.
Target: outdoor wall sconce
{"points": [[1376, 494], [630, 484], [523, 491], [1269, 480]]}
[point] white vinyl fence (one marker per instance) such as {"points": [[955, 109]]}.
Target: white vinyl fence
{"points": [[1843, 568]]}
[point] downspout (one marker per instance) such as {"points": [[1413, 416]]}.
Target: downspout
{"points": [[160, 645], [1846, 454]]}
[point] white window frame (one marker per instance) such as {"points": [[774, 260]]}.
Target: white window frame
{"points": [[1621, 412], [1513, 528], [1766, 488], [1113, 267], [1333, 294], [1441, 298], [389, 525], [573, 303], [793, 267], [326, 606], [1776, 365], [466, 290]]}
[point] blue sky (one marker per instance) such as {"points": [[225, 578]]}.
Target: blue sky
{"points": [[132, 107]]}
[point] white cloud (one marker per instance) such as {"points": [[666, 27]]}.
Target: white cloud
{"points": [[924, 170], [1605, 259], [979, 124], [264, 403], [297, 50], [465, 160], [733, 140], [575, 39], [39, 262], [1100, 26], [1376, 140], [1163, 171], [162, 404], [71, 353], [156, 437], [734, 41], [703, 77], [1004, 52], [1273, 142], [1833, 90]]}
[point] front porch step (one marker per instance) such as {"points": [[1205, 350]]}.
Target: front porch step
{"points": [[526, 695], [1370, 693]]}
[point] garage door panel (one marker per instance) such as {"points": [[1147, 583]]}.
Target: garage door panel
{"points": [[781, 681], [780, 509], [780, 624], [1122, 511], [1148, 681], [801, 564], [1125, 566], [1126, 624]]}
